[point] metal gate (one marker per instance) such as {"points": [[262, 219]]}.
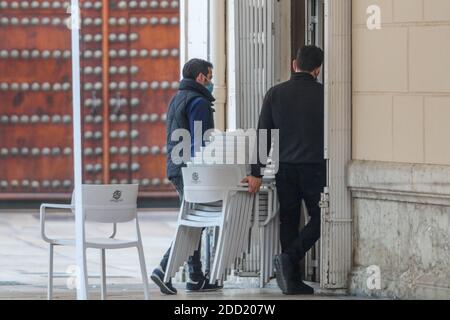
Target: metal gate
{"points": [[257, 68], [256, 56]]}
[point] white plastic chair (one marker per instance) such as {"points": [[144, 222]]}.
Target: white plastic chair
{"points": [[268, 226], [264, 241], [264, 234], [204, 185], [108, 204]]}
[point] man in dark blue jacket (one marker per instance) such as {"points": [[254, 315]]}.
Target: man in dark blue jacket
{"points": [[192, 103]]}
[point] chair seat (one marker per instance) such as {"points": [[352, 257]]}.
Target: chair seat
{"points": [[99, 243], [210, 207], [196, 222]]}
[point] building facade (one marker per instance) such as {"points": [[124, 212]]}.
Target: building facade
{"points": [[386, 214], [400, 171]]}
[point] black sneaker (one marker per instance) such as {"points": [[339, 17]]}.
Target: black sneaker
{"points": [[299, 288], [202, 286], [158, 278], [283, 272]]}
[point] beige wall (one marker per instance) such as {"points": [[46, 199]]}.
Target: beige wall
{"points": [[401, 82]]}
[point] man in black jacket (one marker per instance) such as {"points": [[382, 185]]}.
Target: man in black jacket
{"points": [[296, 109], [192, 104]]}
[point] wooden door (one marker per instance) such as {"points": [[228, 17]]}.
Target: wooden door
{"points": [[127, 83]]}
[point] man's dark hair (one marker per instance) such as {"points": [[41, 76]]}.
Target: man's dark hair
{"points": [[194, 67], [309, 58]]}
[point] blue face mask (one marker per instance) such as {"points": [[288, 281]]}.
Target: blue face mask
{"points": [[210, 87]]}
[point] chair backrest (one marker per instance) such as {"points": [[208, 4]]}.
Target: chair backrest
{"points": [[206, 184], [110, 203], [242, 167]]}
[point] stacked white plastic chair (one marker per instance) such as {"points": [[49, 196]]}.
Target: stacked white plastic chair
{"points": [[257, 241], [267, 222], [203, 186], [106, 204], [264, 244]]}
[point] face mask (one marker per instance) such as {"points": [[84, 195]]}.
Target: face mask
{"points": [[210, 87]]}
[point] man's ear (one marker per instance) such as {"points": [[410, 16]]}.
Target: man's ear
{"points": [[200, 78], [319, 70], [294, 65]]}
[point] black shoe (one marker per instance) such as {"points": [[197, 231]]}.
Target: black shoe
{"points": [[283, 271], [202, 286], [158, 278], [299, 288]]}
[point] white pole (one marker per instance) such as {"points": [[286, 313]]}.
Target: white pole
{"points": [[219, 59], [184, 16], [82, 284]]}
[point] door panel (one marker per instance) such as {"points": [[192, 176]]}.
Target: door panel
{"points": [[157, 75], [91, 54], [35, 108]]}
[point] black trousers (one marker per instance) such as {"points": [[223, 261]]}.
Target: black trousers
{"points": [[294, 184], [194, 262]]}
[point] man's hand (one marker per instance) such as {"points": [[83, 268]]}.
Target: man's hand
{"points": [[254, 184]]}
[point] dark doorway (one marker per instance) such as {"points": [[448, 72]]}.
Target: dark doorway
{"points": [[298, 25], [307, 27]]}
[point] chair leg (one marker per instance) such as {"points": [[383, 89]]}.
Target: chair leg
{"points": [[176, 250], [50, 274], [262, 256], [103, 273], [143, 271], [217, 257]]}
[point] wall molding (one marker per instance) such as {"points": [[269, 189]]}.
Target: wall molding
{"points": [[412, 183]]}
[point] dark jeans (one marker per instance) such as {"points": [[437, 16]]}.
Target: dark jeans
{"points": [[294, 184], [194, 262]]}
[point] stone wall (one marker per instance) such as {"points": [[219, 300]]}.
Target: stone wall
{"points": [[401, 225]]}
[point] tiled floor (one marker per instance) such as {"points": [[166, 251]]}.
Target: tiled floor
{"points": [[24, 261]]}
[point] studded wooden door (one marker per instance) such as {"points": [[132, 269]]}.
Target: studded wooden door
{"points": [[129, 71]]}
